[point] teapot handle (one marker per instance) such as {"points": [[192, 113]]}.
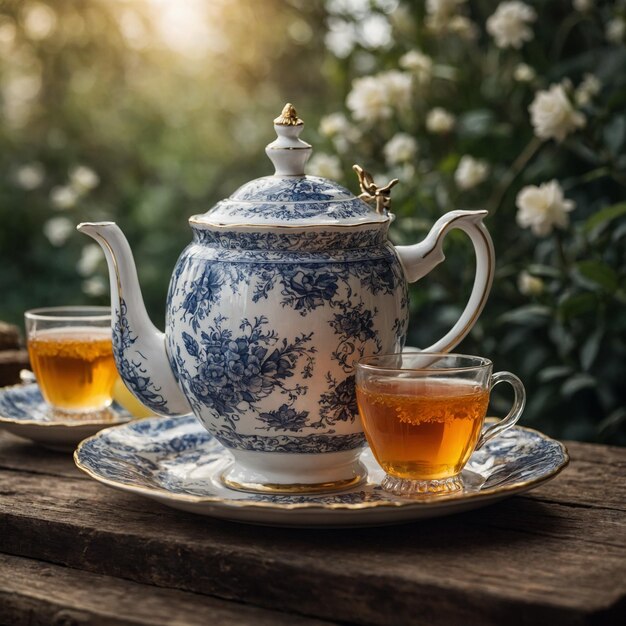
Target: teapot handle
{"points": [[420, 258]]}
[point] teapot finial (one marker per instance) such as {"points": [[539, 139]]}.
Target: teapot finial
{"points": [[288, 117], [288, 153]]}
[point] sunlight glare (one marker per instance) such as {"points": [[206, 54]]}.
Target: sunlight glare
{"points": [[185, 27]]}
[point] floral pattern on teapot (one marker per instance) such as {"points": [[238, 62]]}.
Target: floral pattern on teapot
{"points": [[249, 376], [133, 371]]}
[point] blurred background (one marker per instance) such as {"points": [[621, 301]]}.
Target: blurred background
{"points": [[148, 111]]}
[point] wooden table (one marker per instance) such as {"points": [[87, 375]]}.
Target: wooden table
{"points": [[75, 552]]}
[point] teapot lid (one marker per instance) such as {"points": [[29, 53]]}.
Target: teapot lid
{"points": [[290, 198]]}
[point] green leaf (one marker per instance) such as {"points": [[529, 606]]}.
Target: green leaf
{"points": [[615, 133], [618, 232], [551, 373], [602, 218], [475, 123], [563, 340], [577, 304], [591, 347], [576, 383], [584, 152], [447, 72], [531, 314], [599, 273], [537, 269], [613, 420], [448, 164]]}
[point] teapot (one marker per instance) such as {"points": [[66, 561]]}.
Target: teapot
{"points": [[285, 286]]}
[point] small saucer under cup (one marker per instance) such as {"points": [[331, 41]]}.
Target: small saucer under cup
{"points": [[24, 413]]}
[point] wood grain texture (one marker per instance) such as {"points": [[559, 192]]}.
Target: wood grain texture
{"points": [[555, 556], [17, 454], [9, 336], [11, 362], [33, 593]]}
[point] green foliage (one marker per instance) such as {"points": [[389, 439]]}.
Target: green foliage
{"points": [[168, 130], [109, 112], [556, 312]]}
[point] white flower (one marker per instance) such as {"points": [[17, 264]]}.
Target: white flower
{"points": [[582, 5], [470, 172], [340, 130], [463, 27], [401, 19], [373, 98], [334, 124], [83, 178], [57, 230], [7, 34], [523, 73], [30, 176], [440, 15], [615, 30], [19, 93], [374, 31], [400, 149], [438, 11], [420, 64], [446, 7], [508, 25], [64, 197], [399, 87], [324, 165], [439, 121], [542, 208], [529, 285], [589, 88], [90, 258], [39, 21], [552, 114], [341, 36], [368, 100], [94, 286]]}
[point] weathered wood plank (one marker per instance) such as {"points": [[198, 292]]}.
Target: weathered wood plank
{"points": [[22, 455], [9, 336], [595, 477], [554, 514], [11, 362], [521, 561], [34, 593]]}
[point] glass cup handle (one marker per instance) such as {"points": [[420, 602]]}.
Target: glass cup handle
{"points": [[514, 414]]}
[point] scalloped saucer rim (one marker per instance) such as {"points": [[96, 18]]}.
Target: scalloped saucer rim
{"points": [[326, 510], [24, 413]]}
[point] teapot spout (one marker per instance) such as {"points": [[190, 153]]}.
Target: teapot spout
{"points": [[139, 347]]}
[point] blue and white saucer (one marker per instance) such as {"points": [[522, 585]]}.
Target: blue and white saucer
{"points": [[23, 412], [176, 462]]}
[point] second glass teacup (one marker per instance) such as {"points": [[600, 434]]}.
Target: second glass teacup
{"points": [[423, 416], [71, 353]]}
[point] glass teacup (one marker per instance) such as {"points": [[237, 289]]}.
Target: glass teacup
{"points": [[71, 353], [423, 416]]}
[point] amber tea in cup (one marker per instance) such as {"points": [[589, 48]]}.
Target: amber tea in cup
{"points": [[71, 354], [423, 415]]}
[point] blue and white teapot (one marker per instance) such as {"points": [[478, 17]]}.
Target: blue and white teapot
{"points": [[285, 285]]}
